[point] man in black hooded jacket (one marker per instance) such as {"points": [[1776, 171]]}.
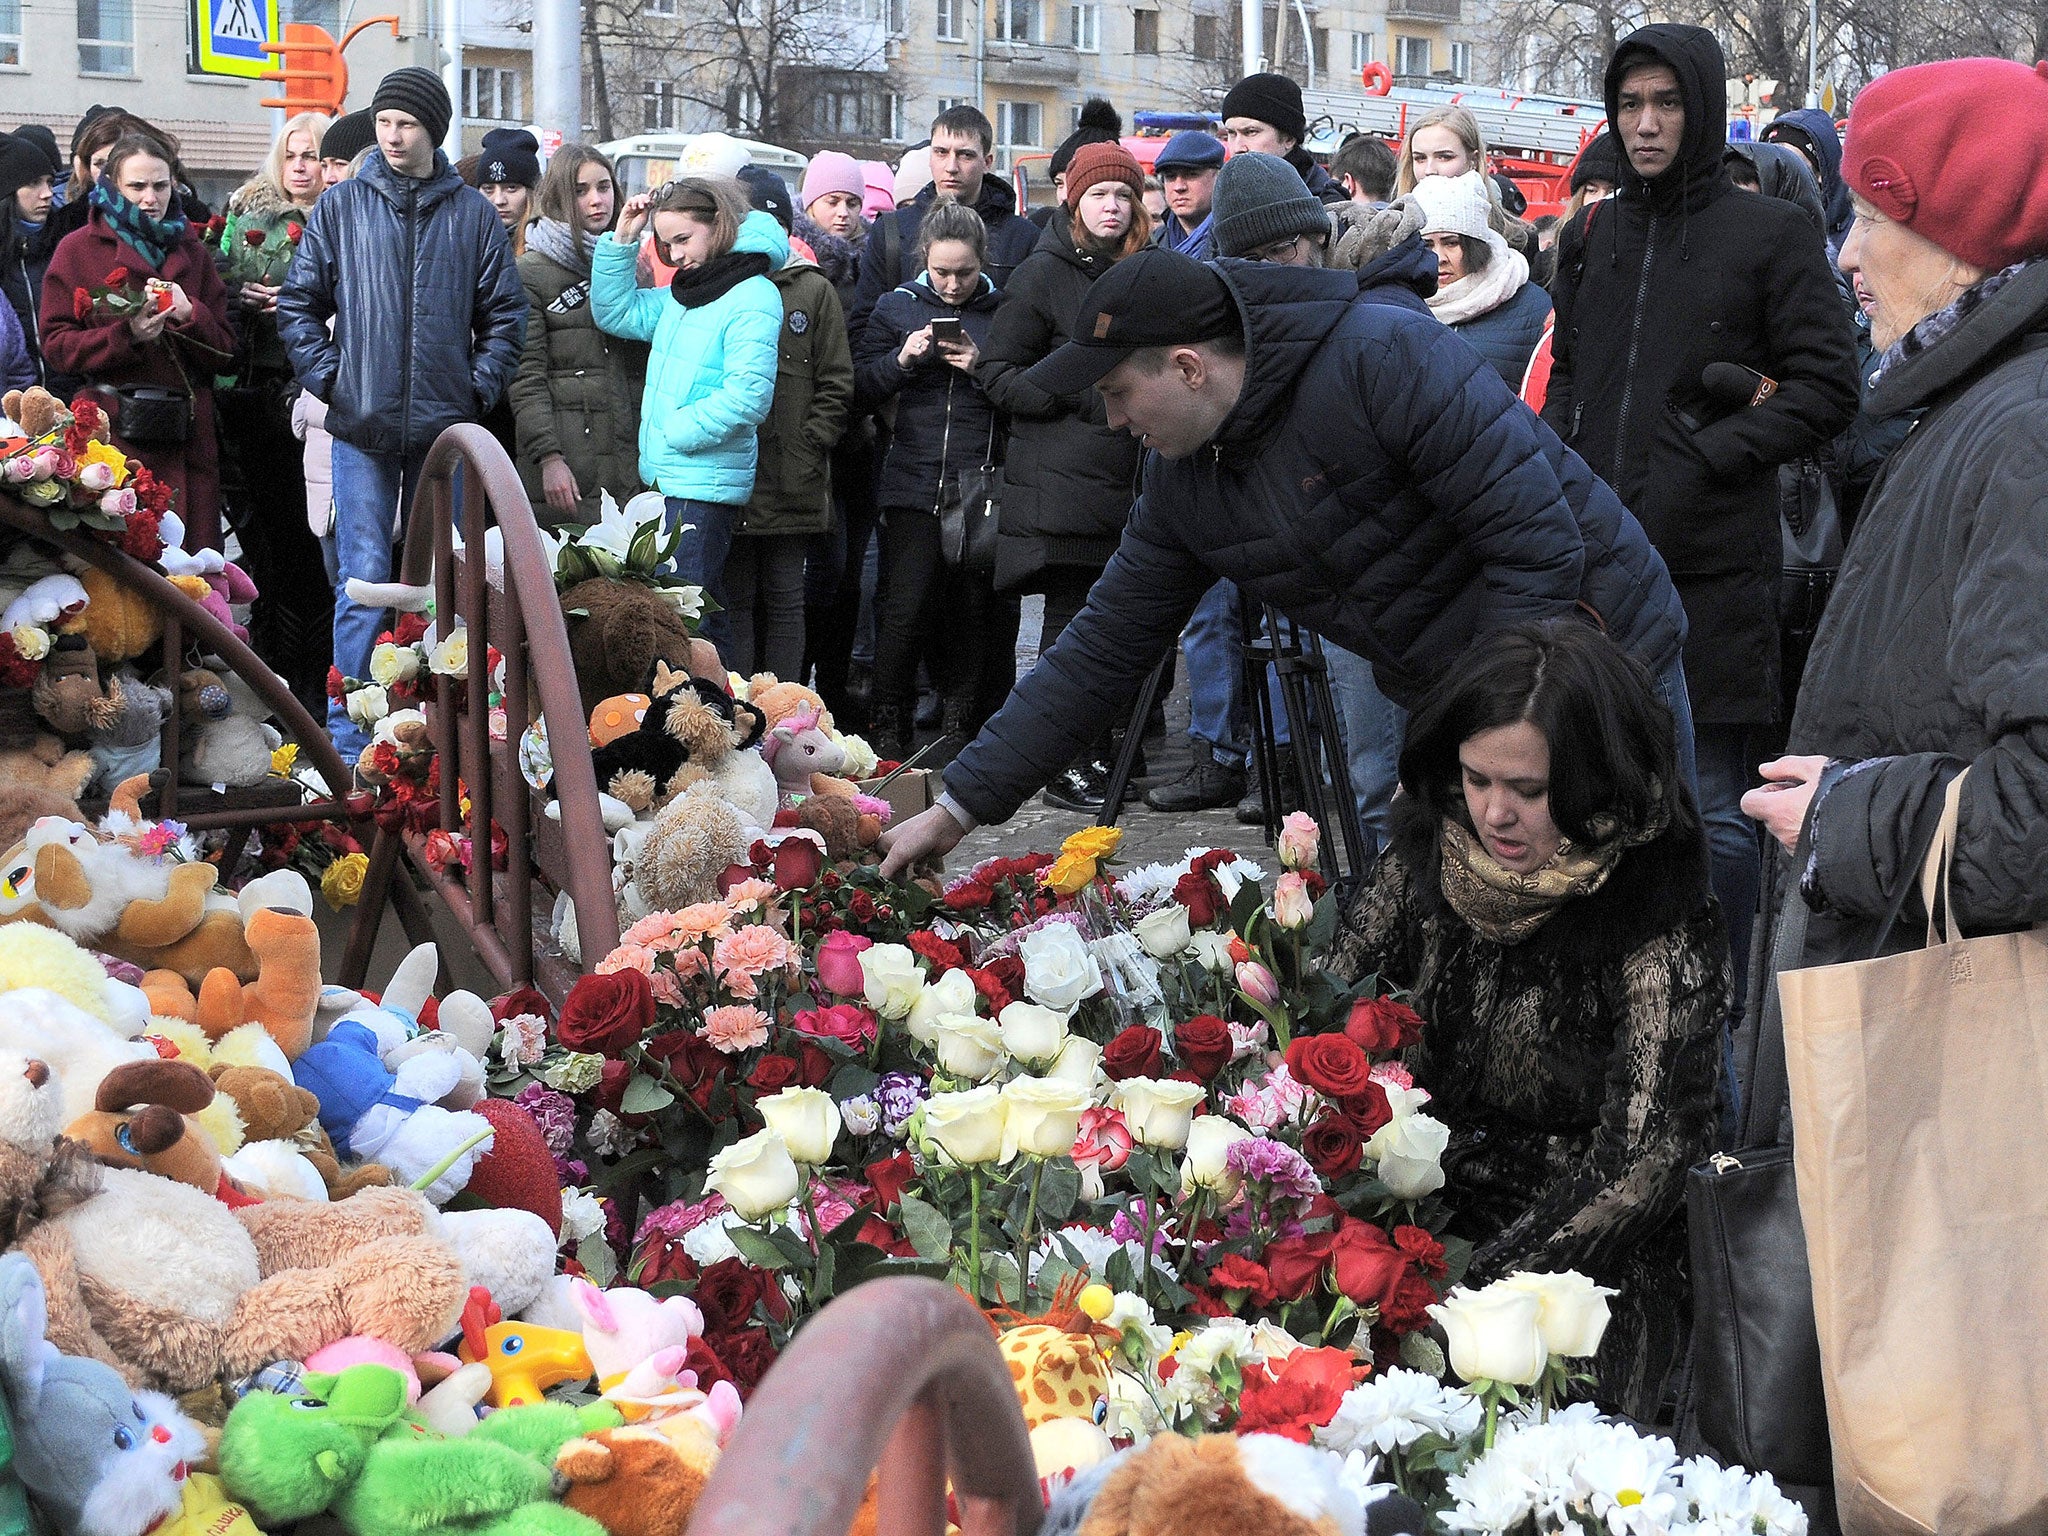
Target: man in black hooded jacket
{"points": [[1659, 290]]}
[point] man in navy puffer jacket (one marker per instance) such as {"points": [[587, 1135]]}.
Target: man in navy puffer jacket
{"points": [[1321, 440], [416, 275]]}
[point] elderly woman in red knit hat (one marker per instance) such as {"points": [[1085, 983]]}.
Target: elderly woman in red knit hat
{"points": [[1933, 655], [1069, 480]]}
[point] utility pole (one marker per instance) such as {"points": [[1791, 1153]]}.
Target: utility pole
{"points": [[1252, 19], [557, 77], [451, 73]]}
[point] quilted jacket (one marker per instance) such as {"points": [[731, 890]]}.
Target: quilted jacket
{"points": [[417, 275], [1377, 483]]}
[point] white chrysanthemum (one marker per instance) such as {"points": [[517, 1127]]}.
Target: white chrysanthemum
{"points": [[1392, 1411], [1151, 885], [1225, 1338], [707, 1242], [1356, 1473], [1625, 1481], [582, 1215], [1491, 1497]]}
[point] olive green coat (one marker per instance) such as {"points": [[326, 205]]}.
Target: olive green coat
{"points": [[577, 391], [813, 400]]}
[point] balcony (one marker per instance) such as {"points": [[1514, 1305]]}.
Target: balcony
{"points": [[1422, 10], [1035, 63]]}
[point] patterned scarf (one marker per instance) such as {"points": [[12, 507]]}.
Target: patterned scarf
{"points": [[566, 248], [1944, 321], [1506, 906], [151, 239]]}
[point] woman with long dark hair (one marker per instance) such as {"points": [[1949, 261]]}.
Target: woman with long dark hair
{"points": [[27, 196], [1545, 898]]}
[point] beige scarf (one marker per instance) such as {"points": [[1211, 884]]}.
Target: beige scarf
{"points": [[1507, 906]]}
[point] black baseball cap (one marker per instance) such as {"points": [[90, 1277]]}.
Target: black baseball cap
{"points": [[1156, 298]]}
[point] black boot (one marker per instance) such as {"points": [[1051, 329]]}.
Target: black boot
{"points": [[1206, 786], [1251, 810], [1081, 787], [890, 731]]}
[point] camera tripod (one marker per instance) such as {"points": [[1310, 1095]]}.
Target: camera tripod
{"points": [[1320, 771]]}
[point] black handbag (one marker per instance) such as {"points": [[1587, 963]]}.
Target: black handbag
{"points": [[151, 416], [971, 517], [1810, 526]]}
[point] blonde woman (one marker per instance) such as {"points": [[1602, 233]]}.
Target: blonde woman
{"points": [[1447, 142]]}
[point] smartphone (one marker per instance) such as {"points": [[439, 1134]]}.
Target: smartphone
{"points": [[946, 328]]}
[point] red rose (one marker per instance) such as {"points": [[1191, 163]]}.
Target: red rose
{"points": [[1331, 1064], [862, 907], [1204, 1043], [606, 1014], [1134, 1053], [944, 956], [771, 1075], [118, 277], [1296, 1263], [295, 233], [728, 1292], [1423, 1248], [891, 1176], [1367, 1110], [848, 1023], [1368, 1266], [797, 862], [214, 226], [702, 1358], [1332, 1147], [813, 1066], [521, 1000], [610, 1092], [1235, 1272], [14, 671], [1382, 1024], [254, 237], [747, 1354], [1201, 895], [81, 304]]}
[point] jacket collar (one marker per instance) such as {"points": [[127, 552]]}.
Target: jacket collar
{"points": [[1987, 333], [424, 192], [993, 200], [1288, 313]]}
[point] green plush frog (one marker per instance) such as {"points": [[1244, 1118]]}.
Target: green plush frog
{"points": [[349, 1443]]}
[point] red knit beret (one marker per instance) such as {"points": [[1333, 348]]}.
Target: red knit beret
{"points": [[1957, 152], [1102, 162]]}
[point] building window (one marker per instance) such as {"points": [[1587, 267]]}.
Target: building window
{"points": [[1088, 27], [1144, 31], [660, 7], [10, 33], [892, 116], [320, 13], [1319, 38], [1411, 55], [1461, 61], [742, 110], [1362, 51], [492, 96], [1208, 37], [1017, 21], [106, 37], [948, 103], [949, 20], [661, 105], [1019, 125]]}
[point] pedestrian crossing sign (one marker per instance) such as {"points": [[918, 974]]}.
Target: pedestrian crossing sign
{"points": [[228, 37]]}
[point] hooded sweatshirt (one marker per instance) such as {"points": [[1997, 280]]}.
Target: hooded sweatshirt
{"points": [[1654, 286], [1816, 128]]}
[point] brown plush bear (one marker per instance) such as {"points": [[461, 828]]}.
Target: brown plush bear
{"points": [[120, 622], [618, 630], [42, 779], [141, 1118], [638, 1481], [35, 410], [68, 693], [273, 1108]]}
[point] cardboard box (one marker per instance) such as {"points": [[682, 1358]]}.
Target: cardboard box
{"points": [[910, 792]]}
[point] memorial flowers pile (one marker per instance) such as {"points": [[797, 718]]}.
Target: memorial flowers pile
{"points": [[64, 462]]}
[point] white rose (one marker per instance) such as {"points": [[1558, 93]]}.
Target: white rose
{"points": [[806, 1119], [1164, 933], [1041, 1117], [951, 993], [966, 1047], [366, 706], [1208, 1140], [757, 1175], [891, 978], [1077, 1062], [1212, 951], [1058, 970], [394, 664], [451, 657], [860, 758], [1493, 1334], [1409, 1153], [1572, 1311], [31, 642], [966, 1127], [1158, 1111], [1032, 1033]]}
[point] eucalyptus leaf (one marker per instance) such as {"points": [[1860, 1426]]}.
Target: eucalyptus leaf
{"points": [[644, 1096], [1419, 1352], [757, 1248], [930, 1233], [1059, 1191], [598, 1260]]}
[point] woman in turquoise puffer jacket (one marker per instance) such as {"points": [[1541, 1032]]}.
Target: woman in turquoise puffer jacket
{"points": [[711, 375]]}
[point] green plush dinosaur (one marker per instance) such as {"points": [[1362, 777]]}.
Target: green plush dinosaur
{"points": [[349, 1444]]}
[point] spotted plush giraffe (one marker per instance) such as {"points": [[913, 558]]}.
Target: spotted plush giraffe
{"points": [[1059, 1375]]}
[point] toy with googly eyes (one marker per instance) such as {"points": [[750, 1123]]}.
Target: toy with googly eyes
{"points": [[524, 1359]]}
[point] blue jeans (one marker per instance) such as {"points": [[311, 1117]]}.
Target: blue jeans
{"points": [[1373, 727], [700, 558], [1728, 757], [371, 492], [1672, 690], [1216, 720]]}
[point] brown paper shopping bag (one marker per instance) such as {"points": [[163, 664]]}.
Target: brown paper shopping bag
{"points": [[1919, 1087]]}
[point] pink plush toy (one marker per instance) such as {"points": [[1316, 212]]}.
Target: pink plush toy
{"points": [[624, 1328], [660, 1387]]}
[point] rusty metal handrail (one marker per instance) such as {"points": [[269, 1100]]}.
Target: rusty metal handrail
{"points": [[535, 643], [183, 615], [900, 1375]]}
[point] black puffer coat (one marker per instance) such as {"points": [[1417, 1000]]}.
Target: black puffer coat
{"points": [[889, 256], [418, 275], [1376, 482], [1933, 653], [1652, 286], [944, 423], [1069, 480]]}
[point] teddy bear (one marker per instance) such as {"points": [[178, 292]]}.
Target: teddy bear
{"points": [[350, 1443], [126, 739], [101, 1458], [145, 1115], [278, 1114], [619, 630], [120, 622], [42, 763], [689, 730], [694, 839], [68, 693], [1248, 1485], [35, 410], [638, 1481], [219, 746]]}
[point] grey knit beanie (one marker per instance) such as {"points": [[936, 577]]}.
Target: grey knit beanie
{"points": [[418, 93], [1261, 199]]}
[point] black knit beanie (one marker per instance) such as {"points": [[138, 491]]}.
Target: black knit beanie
{"points": [[419, 94], [348, 135], [509, 155], [768, 193], [1099, 123], [1273, 99], [1600, 161], [39, 135], [21, 162]]}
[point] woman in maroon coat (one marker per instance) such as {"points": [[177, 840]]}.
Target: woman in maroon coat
{"points": [[134, 228]]}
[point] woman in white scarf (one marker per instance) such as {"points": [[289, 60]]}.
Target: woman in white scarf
{"points": [[1483, 288]]}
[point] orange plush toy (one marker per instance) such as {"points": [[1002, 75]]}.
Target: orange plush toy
{"points": [[142, 1118]]}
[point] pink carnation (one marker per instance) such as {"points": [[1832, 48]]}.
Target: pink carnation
{"points": [[1391, 1074], [753, 951], [628, 957], [735, 1029], [651, 930], [667, 990], [706, 920], [749, 894]]}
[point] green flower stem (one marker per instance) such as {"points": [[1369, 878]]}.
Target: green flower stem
{"points": [[817, 1238], [1492, 1398], [974, 1177], [1194, 1220], [1030, 1221]]}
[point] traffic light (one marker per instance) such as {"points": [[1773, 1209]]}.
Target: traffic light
{"points": [[314, 73]]}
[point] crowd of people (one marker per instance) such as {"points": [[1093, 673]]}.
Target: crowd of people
{"points": [[1525, 480]]}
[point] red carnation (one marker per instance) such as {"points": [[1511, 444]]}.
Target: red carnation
{"points": [[214, 226], [142, 536], [118, 278], [1332, 1146], [81, 304], [1407, 1309], [1296, 1396], [1134, 1053], [86, 415], [993, 992], [15, 671], [943, 955], [1204, 1043], [606, 1014], [1330, 1064], [1235, 1272], [1421, 1246], [1381, 1024]]}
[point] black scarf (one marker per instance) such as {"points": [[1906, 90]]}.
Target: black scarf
{"points": [[151, 239], [703, 285]]}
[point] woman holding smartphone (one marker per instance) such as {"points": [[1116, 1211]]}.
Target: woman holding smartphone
{"points": [[919, 349]]}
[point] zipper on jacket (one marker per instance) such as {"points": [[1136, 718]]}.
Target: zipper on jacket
{"points": [[412, 277], [1635, 347], [945, 447]]}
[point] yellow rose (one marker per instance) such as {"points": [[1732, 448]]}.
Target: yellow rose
{"points": [[109, 455], [1071, 872], [31, 642], [342, 881], [1096, 843]]}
